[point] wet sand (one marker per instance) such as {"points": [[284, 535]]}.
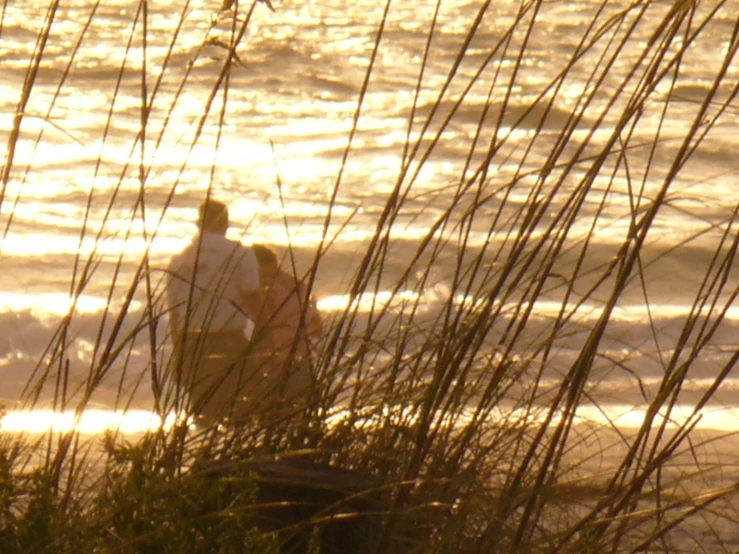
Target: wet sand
{"points": [[694, 495]]}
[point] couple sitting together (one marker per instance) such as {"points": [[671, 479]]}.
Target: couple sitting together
{"points": [[242, 328]]}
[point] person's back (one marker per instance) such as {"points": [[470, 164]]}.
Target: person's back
{"points": [[285, 330], [208, 280], [213, 284]]}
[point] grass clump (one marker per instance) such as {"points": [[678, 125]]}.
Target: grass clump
{"points": [[139, 500], [149, 507]]}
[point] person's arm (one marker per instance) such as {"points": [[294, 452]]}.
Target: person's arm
{"points": [[252, 295], [252, 302], [312, 320], [174, 325]]}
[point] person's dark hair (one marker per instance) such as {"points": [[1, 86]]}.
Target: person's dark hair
{"points": [[213, 216], [266, 255]]}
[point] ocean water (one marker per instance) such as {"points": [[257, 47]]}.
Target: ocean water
{"points": [[283, 138]]}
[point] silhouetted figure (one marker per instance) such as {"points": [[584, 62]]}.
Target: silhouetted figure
{"points": [[286, 327], [213, 285]]}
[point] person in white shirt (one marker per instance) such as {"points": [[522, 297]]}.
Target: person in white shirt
{"points": [[213, 285]]}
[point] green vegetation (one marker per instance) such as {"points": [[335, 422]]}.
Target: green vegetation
{"points": [[467, 415]]}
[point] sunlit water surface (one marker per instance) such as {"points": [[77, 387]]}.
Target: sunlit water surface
{"points": [[613, 416], [79, 168]]}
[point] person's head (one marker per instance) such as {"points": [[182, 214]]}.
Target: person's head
{"points": [[267, 259], [213, 217]]}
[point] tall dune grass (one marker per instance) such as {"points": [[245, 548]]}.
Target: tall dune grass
{"points": [[469, 416]]}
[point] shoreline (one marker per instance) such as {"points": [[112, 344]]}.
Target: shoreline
{"points": [[713, 418]]}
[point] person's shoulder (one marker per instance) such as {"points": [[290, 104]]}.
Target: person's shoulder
{"points": [[234, 250], [182, 257], [215, 244], [286, 280], [177, 261], [246, 250]]}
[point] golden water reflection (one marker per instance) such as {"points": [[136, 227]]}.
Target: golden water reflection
{"points": [[92, 421], [620, 417], [615, 416]]}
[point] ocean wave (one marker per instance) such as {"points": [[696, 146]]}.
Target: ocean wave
{"points": [[517, 115], [633, 355]]}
